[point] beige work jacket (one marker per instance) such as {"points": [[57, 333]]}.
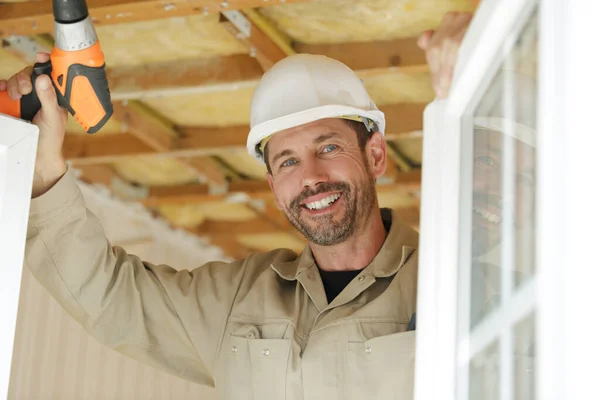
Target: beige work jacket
{"points": [[258, 328]]}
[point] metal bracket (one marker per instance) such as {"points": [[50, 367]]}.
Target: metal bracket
{"points": [[239, 21]]}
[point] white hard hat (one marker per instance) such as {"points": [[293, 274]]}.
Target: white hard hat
{"points": [[304, 88]]}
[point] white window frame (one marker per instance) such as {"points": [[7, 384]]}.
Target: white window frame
{"points": [[565, 292], [18, 147]]}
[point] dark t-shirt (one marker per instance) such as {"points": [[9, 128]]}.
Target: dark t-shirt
{"points": [[335, 281]]}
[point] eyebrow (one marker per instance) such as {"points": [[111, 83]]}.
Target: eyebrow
{"points": [[317, 140], [324, 137], [283, 153]]}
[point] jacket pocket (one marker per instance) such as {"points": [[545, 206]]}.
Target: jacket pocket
{"points": [[382, 367], [257, 368]]}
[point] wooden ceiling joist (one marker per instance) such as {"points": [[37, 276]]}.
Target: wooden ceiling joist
{"points": [[399, 53], [177, 78], [20, 19], [229, 245], [253, 226], [210, 169], [159, 135], [144, 124], [402, 119], [199, 193]]}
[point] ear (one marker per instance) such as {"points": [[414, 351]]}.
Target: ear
{"points": [[376, 151], [272, 186]]}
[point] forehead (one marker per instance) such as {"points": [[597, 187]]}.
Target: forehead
{"points": [[307, 133]]}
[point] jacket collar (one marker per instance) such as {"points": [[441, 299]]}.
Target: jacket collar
{"points": [[397, 248]]}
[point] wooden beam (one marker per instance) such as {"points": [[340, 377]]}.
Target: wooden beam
{"points": [[260, 45], [403, 119], [370, 55], [229, 245], [171, 78], [25, 19], [98, 174], [232, 228], [398, 159], [198, 193], [146, 125], [232, 137], [211, 170], [269, 211], [115, 146], [159, 135]]}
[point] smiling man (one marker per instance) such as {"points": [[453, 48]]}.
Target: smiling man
{"points": [[334, 322]]}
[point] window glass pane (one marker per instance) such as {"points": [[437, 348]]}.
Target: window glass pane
{"points": [[484, 374], [524, 359], [503, 214]]}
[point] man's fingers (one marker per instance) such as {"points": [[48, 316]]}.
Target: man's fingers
{"points": [[42, 57], [24, 81], [50, 110], [424, 38], [12, 87], [14, 83], [3, 85], [442, 46]]}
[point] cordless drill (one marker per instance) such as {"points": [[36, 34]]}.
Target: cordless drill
{"points": [[76, 69]]}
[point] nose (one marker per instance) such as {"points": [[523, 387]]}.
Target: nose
{"points": [[313, 173]]}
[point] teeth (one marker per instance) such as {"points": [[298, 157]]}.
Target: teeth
{"points": [[491, 217], [323, 203]]}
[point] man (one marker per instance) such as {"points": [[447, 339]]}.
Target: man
{"points": [[332, 322]]}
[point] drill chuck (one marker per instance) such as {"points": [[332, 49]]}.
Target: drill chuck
{"points": [[75, 36], [69, 11]]}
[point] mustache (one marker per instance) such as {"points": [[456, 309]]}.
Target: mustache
{"points": [[322, 188]]}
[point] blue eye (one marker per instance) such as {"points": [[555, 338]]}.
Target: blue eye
{"points": [[288, 162], [329, 148]]}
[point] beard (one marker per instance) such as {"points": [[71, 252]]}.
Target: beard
{"points": [[326, 230]]}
